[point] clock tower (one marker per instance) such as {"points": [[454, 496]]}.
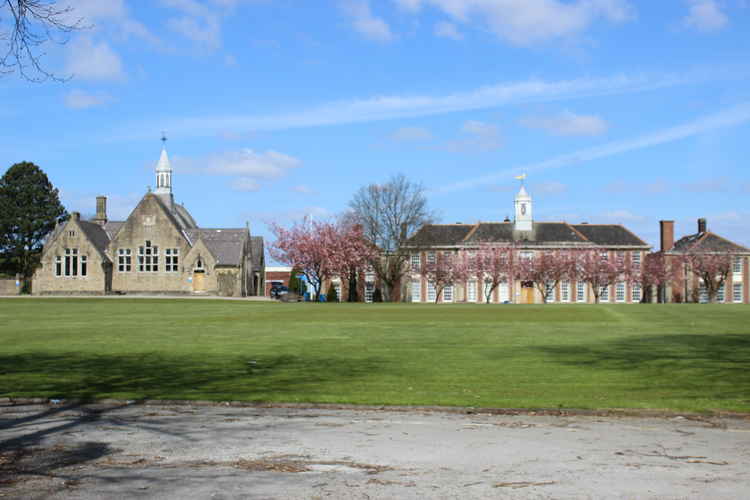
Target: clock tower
{"points": [[523, 220]]}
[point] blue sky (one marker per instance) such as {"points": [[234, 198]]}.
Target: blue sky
{"points": [[620, 111]]}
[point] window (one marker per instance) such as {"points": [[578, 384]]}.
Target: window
{"points": [[527, 254], [737, 265], [636, 293], [737, 292], [199, 264], [71, 262], [636, 259], [503, 292], [565, 291], [369, 290], [71, 233], [415, 261], [580, 291], [620, 256], [124, 260], [604, 294], [430, 292], [430, 257], [148, 258], [336, 287], [416, 291], [620, 292], [171, 259], [549, 287], [604, 255], [702, 294], [84, 266], [448, 293], [471, 291], [720, 293], [58, 265]]}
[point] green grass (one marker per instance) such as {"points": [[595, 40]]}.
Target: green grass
{"points": [[674, 357]]}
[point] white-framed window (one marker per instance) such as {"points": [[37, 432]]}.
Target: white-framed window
{"points": [[370, 276], [471, 291], [415, 262], [604, 294], [71, 262], [527, 254], [636, 293], [171, 259], [580, 291], [620, 292], [720, 293], [369, 290], [430, 257], [636, 260], [549, 288], [604, 255], [431, 292], [148, 258], [84, 265], [503, 292], [737, 292], [124, 260], [737, 265], [416, 290], [448, 293], [703, 294], [620, 255], [58, 265], [565, 291], [337, 288], [199, 264]]}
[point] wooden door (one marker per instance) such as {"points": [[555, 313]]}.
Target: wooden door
{"points": [[527, 293], [198, 283]]}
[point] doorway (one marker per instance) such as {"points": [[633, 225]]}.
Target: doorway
{"points": [[527, 292]]}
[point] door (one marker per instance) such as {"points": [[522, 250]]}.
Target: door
{"points": [[527, 292], [198, 283]]}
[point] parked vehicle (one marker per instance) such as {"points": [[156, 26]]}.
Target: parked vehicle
{"points": [[278, 290]]}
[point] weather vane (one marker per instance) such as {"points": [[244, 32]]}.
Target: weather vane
{"points": [[521, 178], [163, 137]]}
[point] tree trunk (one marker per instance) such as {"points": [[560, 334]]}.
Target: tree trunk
{"points": [[353, 297]]}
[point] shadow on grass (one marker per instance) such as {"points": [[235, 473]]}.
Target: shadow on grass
{"points": [[156, 376], [708, 365]]}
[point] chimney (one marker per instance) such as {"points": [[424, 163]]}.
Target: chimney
{"points": [[75, 216], [101, 210], [667, 234], [701, 225], [403, 231]]}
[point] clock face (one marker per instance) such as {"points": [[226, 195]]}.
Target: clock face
{"points": [[523, 208]]}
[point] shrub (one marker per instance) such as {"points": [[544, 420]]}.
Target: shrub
{"points": [[331, 296]]}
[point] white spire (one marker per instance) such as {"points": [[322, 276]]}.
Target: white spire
{"points": [[163, 172], [524, 220]]}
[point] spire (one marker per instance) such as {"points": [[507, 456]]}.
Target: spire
{"points": [[523, 220], [163, 170]]}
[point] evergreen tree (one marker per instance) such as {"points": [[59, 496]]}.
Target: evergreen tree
{"points": [[331, 296], [29, 209]]}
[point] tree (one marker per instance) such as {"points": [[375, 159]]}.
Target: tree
{"points": [[446, 270], [25, 26], [595, 268], [29, 210], [332, 296], [546, 270], [711, 269], [388, 213], [495, 265], [654, 274]]}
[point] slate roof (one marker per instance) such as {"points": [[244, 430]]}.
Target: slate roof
{"points": [[95, 234], [183, 216], [256, 251], [706, 242], [609, 235], [226, 245], [543, 233], [112, 227]]}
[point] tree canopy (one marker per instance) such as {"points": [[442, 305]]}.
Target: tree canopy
{"points": [[29, 209]]}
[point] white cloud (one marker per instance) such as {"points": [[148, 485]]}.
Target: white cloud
{"points": [[447, 30], [230, 60], [525, 22], [245, 185], [733, 116], [568, 124], [96, 13], [481, 137], [655, 187], [303, 189], [411, 134], [364, 22], [623, 216], [705, 16], [550, 187], [79, 99], [93, 61]]}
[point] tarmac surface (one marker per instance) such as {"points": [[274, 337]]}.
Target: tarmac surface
{"points": [[220, 452]]}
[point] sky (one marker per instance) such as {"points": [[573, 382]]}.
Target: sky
{"points": [[618, 111]]}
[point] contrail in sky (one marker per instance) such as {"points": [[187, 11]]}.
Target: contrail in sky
{"points": [[735, 115]]}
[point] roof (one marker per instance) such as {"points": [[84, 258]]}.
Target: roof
{"points": [[543, 233], [95, 234], [226, 245], [609, 235], [256, 251], [183, 216], [112, 227], [706, 242]]}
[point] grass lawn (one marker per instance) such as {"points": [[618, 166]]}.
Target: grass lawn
{"points": [[678, 357]]}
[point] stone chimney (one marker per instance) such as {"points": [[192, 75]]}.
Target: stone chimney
{"points": [[701, 225], [667, 234], [101, 210], [75, 216]]}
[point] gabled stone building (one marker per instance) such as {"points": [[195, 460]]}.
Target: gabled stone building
{"points": [[159, 249], [528, 237]]}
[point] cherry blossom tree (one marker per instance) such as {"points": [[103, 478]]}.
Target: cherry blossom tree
{"points": [[446, 270], [546, 270], [321, 250], [597, 269], [655, 273], [495, 264], [711, 269]]}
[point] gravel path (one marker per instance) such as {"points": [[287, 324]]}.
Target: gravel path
{"points": [[178, 452]]}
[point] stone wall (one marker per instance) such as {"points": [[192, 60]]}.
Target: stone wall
{"points": [[8, 287]]}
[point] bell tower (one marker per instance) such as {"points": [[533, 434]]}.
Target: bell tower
{"points": [[523, 220], [163, 171]]}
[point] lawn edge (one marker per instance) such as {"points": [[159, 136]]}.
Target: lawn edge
{"points": [[466, 410]]}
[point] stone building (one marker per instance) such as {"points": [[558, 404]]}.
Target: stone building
{"points": [[158, 249], [528, 237], [687, 287]]}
